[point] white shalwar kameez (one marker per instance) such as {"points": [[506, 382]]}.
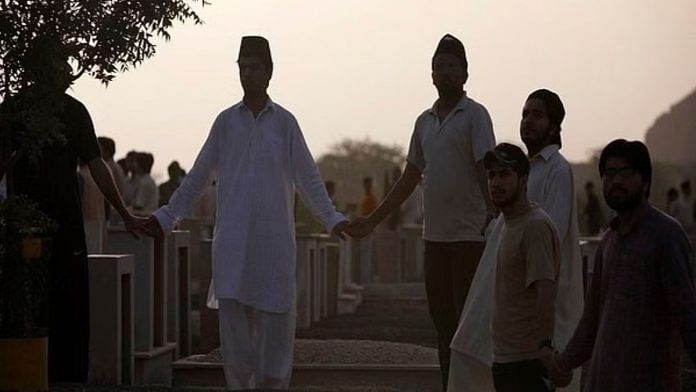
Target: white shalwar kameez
{"points": [[258, 163], [551, 185]]}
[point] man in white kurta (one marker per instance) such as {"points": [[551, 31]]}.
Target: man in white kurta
{"points": [[257, 154], [550, 185]]}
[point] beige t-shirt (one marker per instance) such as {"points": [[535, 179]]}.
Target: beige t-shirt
{"points": [[529, 250]]}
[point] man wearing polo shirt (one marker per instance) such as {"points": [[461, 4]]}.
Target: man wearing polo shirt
{"points": [[447, 149]]}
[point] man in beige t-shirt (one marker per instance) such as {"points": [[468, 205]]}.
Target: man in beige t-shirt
{"points": [[528, 261]]}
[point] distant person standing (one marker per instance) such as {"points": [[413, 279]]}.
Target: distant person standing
{"points": [[689, 215], [528, 262], [593, 210], [369, 200], [166, 189], [93, 213], [146, 196], [641, 304], [108, 149], [447, 147]]}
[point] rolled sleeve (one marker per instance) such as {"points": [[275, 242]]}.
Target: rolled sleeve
{"points": [[482, 137], [415, 150]]}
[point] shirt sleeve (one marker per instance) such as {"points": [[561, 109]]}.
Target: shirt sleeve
{"points": [[415, 149], [87, 146], [482, 136], [204, 170], [676, 278], [308, 181], [540, 250], [579, 348], [559, 197]]}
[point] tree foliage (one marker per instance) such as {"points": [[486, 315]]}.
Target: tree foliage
{"points": [[349, 161], [104, 37]]}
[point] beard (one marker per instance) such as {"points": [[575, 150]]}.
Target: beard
{"points": [[511, 199], [620, 199]]}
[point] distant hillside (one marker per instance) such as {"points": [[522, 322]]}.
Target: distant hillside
{"points": [[672, 139]]}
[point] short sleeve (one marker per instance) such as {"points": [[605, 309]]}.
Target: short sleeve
{"points": [[86, 144], [540, 249], [482, 137], [415, 150]]}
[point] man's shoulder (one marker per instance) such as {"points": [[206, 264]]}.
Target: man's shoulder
{"points": [[663, 224], [538, 220]]}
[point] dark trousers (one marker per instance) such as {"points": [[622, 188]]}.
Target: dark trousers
{"points": [[449, 271], [68, 312], [522, 376]]}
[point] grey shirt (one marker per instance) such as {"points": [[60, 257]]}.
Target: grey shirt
{"points": [[446, 152]]}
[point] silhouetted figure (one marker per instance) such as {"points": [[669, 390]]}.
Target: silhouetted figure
{"points": [[146, 194], [52, 183], [640, 304], [446, 151], [528, 257], [593, 210], [259, 157], [690, 213], [369, 200], [166, 189], [108, 150]]}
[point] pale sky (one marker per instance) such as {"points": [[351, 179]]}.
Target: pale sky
{"points": [[361, 68]]}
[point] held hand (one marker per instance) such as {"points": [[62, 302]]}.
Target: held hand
{"points": [[339, 229], [152, 227], [560, 376], [134, 224], [360, 227]]}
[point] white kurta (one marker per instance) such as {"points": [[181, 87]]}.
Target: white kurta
{"points": [[258, 163], [550, 185]]}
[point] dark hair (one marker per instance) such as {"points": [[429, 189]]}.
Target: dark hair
{"points": [[107, 145], [367, 179], [635, 152], [589, 184], [685, 185], [672, 192], [554, 110], [145, 161]]}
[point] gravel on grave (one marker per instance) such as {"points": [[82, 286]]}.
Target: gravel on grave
{"points": [[334, 351]]}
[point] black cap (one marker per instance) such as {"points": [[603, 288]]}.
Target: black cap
{"points": [[508, 155], [452, 45], [255, 46]]}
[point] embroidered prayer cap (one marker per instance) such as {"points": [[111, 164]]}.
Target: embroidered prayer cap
{"points": [[256, 46], [452, 45]]}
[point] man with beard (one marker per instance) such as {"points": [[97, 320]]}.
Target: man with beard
{"points": [[641, 300], [446, 152], [550, 185], [258, 156], [527, 263]]}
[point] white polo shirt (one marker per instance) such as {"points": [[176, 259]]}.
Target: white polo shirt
{"points": [[446, 152]]}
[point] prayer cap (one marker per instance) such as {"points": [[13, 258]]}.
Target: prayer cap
{"points": [[255, 46], [451, 45]]}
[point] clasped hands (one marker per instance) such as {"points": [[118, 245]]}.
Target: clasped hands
{"points": [[559, 374]]}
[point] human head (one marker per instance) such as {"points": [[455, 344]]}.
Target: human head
{"points": [[174, 170], [626, 172], [589, 187], [672, 195], [542, 116], [450, 68], [46, 63], [330, 188], [686, 188], [367, 184], [123, 162], [107, 147], [255, 64], [132, 161], [507, 168], [145, 161]]}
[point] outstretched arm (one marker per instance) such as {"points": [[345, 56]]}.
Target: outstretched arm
{"points": [[360, 227], [105, 181]]}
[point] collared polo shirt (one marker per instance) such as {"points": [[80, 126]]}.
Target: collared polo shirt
{"points": [[446, 152]]}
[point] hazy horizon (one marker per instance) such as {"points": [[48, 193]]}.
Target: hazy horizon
{"points": [[362, 69]]}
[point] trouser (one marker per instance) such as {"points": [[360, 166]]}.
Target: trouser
{"points": [[257, 346], [449, 271], [68, 313], [522, 376]]}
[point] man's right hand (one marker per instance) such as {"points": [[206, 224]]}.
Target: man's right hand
{"points": [[152, 227], [560, 376], [360, 227]]}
